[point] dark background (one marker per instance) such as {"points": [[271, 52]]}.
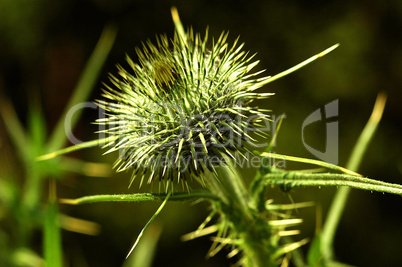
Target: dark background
{"points": [[44, 45]]}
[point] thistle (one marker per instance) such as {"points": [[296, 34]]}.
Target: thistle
{"points": [[183, 108]]}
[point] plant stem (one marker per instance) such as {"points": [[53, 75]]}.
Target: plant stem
{"points": [[236, 209], [290, 179], [178, 196], [51, 232], [340, 199]]}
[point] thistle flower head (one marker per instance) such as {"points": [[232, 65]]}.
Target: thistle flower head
{"points": [[183, 108]]}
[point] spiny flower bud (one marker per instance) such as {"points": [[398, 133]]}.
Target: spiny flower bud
{"points": [[183, 108]]}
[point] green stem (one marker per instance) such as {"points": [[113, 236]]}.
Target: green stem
{"points": [[340, 199], [193, 195], [330, 179], [52, 236], [236, 208]]}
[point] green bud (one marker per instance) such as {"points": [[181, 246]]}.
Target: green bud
{"points": [[183, 108]]}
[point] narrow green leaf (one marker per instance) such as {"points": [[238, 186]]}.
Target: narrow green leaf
{"points": [[85, 85], [144, 254], [367, 134], [339, 203], [97, 142], [15, 129], [37, 128], [149, 222], [33, 186]]}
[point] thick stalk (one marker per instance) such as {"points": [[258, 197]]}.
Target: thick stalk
{"points": [[252, 235]]}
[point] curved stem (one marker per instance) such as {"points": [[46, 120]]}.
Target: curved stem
{"points": [[340, 199]]}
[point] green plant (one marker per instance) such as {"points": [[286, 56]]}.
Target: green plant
{"points": [[211, 87], [23, 205]]}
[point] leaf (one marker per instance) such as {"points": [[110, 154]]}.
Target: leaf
{"points": [[15, 130], [149, 222], [37, 128], [339, 203], [144, 254], [314, 256], [85, 85], [96, 142]]}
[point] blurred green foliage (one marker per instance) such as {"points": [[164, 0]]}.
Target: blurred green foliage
{"points": [[45, 44]]}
